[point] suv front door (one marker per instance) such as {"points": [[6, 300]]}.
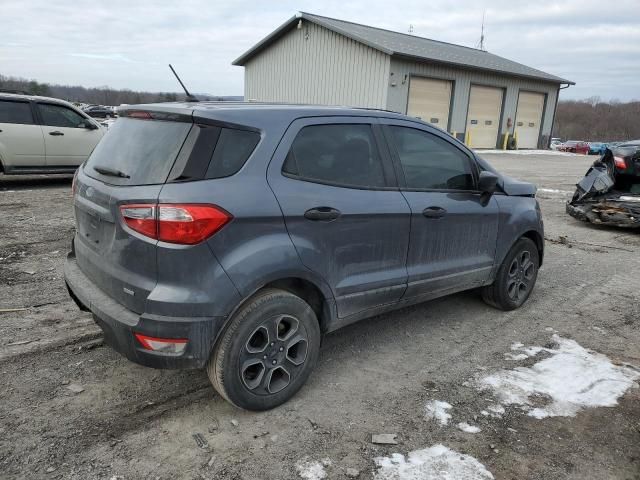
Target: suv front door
{"points": [[453, 227], [342, 208], [21, 140], [68, 141]]}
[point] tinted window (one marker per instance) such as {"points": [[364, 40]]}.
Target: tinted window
{"points": [[232, 151], [59, 116], [430, 162], [337, 154], [145, 150], [15, 112]]}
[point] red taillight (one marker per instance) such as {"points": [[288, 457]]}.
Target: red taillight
{"points": [[189, 224], [186, 224], [174, 346], [620, 163]]}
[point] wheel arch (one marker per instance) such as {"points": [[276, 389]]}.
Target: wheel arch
{"points": [[312, 291], [535, 236]]}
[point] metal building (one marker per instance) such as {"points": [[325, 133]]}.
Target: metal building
{"points": [[471, 93]]}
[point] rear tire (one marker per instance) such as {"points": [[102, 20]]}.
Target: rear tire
{"points": [[516, 277], [267, 351]]}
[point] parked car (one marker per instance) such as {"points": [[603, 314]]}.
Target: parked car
{"points": [[575, 146], [555, 144], [597, 148], [99, 111], [231, 237], [44, 135]]}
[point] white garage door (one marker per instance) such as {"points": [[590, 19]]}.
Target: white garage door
{"points": [[528, 118], [483, 117], [429, 100]]}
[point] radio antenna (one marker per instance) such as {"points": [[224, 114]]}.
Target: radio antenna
{"points": [[189, 98], [481, 43]]}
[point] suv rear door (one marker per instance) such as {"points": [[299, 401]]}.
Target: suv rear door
{"points": [[68, 141], [344, 213], [21, 139], [453, 227]]}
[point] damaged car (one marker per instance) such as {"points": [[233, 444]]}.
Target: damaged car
{"points": [[609, 193]]}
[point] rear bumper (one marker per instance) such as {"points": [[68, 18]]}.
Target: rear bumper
{"points": [[119, 325]]}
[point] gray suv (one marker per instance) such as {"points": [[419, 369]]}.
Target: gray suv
{"points": [[231, 237]]}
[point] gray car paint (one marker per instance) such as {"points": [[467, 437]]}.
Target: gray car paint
{"points": [[268, 240], [364, 262]]}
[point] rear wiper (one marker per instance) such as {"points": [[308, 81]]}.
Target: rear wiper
{"points": [[112, 172]]}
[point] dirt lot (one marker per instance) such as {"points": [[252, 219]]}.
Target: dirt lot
{"points": [[131, 422]]}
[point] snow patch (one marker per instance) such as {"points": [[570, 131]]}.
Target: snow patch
{"points": [[572, 378], [525, 352], [435, 463], [553, 190], [466, 428], [312, 470], [516, 356], [437, 410]]}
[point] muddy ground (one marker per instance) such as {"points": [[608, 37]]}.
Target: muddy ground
{"points": [[132, 422]]}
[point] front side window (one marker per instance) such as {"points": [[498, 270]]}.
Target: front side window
{"points": [[59, 116], [340, 154], [431, 163], [15, 112]]}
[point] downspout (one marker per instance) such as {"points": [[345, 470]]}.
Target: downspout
{"points": [[555, 109]]}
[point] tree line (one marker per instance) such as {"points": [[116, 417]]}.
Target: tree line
{"points": [[595, 120], [98, 96]]}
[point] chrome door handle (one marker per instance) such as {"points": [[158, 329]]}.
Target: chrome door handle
{"points": [[56, 133]]}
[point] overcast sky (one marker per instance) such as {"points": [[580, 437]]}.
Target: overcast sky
{"points": [[128, 43]]}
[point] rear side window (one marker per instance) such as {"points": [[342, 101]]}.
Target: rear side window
{"points": [[137, 152], [341, 154], [59, 116], [15, 112], [233, 149], [431, 163]]}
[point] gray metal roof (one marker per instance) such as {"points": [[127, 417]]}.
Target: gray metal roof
{"points": [[410, 46]]}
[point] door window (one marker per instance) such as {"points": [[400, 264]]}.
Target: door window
{"points": [[339, 154], [431, 163], [59, 116], [15, 112]]}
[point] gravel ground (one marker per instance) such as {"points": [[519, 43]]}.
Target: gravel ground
{"points": [[131, 422]]}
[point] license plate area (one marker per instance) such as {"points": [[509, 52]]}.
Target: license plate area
{"points": [[91, 229]]}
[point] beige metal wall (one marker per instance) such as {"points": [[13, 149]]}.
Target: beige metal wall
{"points": [[401, 70], [315, 65]]}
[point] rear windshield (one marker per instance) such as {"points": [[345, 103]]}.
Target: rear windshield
{"points": [[137, 152]]}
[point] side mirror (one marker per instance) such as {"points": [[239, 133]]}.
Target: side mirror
{"points": [[90, 125], [488, 182]]}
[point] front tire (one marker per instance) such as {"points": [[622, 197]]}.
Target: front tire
{"points": [[516, 277], [267, 352]]}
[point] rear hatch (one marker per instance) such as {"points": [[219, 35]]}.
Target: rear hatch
{"points": [[129, 166]]}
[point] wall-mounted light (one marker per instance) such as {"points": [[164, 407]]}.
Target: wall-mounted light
{"points": [[404, 80]]}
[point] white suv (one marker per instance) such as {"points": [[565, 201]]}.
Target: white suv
{"points": [[44, 135]]}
